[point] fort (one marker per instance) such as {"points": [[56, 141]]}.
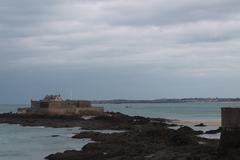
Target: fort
{"points": [[56, 105], [230, 136]]}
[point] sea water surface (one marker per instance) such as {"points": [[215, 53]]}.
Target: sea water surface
{"points": [[28, 143], [181, 111], [34, 143]]}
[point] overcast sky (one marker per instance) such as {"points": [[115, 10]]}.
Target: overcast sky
{"points": [[106, 49]]}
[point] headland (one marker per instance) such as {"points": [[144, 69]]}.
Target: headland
{"points": [[168, 100]]}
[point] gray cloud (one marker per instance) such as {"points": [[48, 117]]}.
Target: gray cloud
{"points": [[190, 41]]}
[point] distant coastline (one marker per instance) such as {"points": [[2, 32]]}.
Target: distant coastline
{"points": [[167, 100]]}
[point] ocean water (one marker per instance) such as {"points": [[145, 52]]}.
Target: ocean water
{"points": [[28, 143], [34, 143], [181, 111]]}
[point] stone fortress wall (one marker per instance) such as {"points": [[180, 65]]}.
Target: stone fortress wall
{"points": [[230, 136], [58, 106]]}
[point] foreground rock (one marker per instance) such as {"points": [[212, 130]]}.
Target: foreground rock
{"points": [[214, 131], [147, 142], [188, 130], [152, 142]]}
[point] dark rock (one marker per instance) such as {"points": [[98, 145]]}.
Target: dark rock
{"points": [[76, 155], [180, 139], [200, 125], [214, 131], [96, 136], [146, 142], [188, 130], [172, 125], [55, 136], [135, 144]]}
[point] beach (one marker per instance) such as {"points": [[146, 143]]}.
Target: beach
{"points": [[210, 122]]}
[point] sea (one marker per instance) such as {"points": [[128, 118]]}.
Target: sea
{"points": [[28, 143]]}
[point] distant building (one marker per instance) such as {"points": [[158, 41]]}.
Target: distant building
{"points": [[56, 105]]}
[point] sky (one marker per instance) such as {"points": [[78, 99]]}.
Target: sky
{"points": [[111, 49]]}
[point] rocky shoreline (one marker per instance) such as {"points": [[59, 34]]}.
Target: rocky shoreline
{"points": [[143, 139], [113, 121]]}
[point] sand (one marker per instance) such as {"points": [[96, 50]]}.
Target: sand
{"points": [[208, 122]]}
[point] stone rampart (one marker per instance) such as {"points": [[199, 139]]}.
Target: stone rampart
{"points": [[230, 136], [68, 107]]}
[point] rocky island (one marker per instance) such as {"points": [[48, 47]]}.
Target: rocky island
{"points": [[56, 105]]}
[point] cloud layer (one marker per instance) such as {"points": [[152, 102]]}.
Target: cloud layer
{"points": [[195, 42]]}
